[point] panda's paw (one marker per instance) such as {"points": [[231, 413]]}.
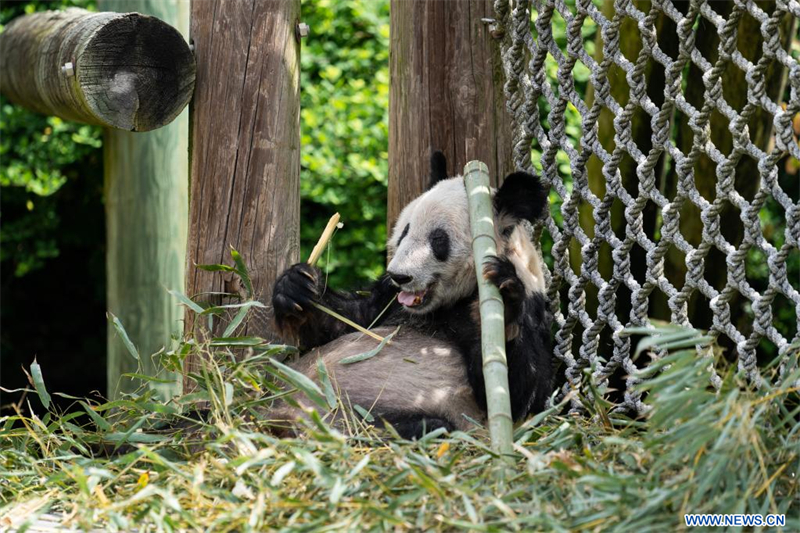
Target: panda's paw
{"points": [[295, 289], [501, 272]]}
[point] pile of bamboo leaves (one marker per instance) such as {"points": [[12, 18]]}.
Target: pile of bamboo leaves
{"points": [[115, 466]]}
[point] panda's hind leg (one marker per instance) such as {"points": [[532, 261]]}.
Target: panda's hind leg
{"points": [[412, 426]]}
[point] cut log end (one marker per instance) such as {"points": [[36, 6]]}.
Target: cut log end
{"points": [[128, 71], [137, 73]]}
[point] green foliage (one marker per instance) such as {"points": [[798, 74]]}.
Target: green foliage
{"points": [[344, 120], [697, 451], [38, 155]]}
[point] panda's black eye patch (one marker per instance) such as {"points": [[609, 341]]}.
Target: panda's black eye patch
{"points": [[440, 244], [403, 234]]}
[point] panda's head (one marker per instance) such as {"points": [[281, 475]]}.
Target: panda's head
{"points": [[431, 244]]}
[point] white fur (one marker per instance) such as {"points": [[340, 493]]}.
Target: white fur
{"points": [[443, 206], [527, 260], [415, 373]]}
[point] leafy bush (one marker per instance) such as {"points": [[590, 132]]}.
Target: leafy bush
{"points": [[344, 124]]}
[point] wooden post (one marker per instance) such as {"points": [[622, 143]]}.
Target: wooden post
{"points": [[146, 192], [127, 71], [245, 145], [446, 93]]}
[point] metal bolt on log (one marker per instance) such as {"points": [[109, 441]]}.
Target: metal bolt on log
{"points": [[122, 70], [302, 30]]}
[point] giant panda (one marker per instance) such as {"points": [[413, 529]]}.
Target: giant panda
{"points": [[430, 375]]}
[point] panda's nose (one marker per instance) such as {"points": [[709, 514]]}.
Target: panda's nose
{"points": [[399, 279]]}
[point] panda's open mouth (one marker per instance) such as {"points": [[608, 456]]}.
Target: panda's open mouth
{"points": [[413, 299]]}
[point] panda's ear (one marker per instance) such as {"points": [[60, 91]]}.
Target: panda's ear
{"points": [[438, 168], [521, 197]]}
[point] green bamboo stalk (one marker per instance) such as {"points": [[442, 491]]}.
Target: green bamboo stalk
{"points": [[493, 342]]}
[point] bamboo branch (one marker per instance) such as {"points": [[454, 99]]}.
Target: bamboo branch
{"points": [[493, 344], [327, 233], [347, 321], [316, 253]]}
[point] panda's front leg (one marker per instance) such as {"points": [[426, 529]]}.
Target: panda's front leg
{"points": [[528, 352], [292, 296], [301, 286], [502, 273]]}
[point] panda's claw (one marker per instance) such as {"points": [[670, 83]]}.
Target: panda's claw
{"points": [[294, 290], [309, 276], [502, 273]]}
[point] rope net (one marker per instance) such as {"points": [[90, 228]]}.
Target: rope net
{"points": [[663, 137]]}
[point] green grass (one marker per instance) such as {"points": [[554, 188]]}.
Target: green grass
{"points": [[698, 450]]}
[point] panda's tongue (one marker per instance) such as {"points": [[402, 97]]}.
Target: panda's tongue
{"points": [[410, 299]]}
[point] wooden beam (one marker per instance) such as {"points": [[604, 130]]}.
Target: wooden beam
{"points": [[146, 192], [127, 71], [245, 146], [446, 94]]}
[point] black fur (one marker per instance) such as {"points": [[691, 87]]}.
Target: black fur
{"points": [[438, 168], [521, 196], [300, 284], [501, 272], [414, 425], [440, 244], [403, 234]]}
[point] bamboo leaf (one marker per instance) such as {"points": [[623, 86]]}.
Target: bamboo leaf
{"points": [[236, 322], [327, 386], [228, 394], [144, 438], [336, 492], [98, 420], [237, 341], [300, 381], [147, 378], [130, 435], [244, 308], [281, 473], [702, 340], [216, 268], [366, 415], [241, 269], [657, 337], [219, 309], [38, 383], [123, 335], [186, 301], [371, 353]]}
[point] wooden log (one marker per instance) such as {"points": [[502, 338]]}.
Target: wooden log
{"points": [[128, 71], [146, 193], [446, 93], [245, 147]]}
